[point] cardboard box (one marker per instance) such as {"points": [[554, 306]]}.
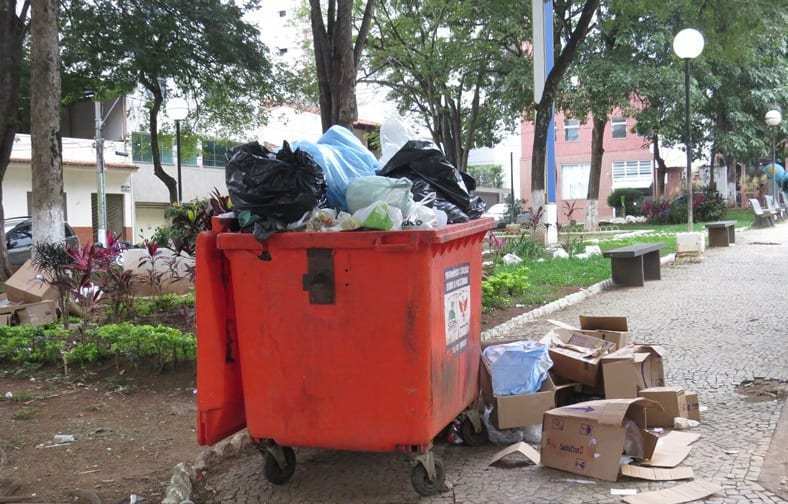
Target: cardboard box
{"points": [[612, 329], [27, 285], [693, 406], [588, 438], [38, 314], [516, 410], [576, 356], [631, 369], [673, 402]]}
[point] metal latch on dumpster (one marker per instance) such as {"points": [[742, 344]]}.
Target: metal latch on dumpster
{"points": [[319, 278]]}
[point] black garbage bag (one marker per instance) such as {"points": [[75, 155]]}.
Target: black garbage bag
{"points": [[425, 165], [269, 191]]}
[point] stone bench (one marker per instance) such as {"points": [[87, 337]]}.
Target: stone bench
{"points": [[721, 233], [634, 264]]}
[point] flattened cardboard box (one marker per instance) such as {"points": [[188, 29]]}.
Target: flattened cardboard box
{"points": [[611, 329], [588, 438], [673, 402], [516, 410], [693, 406], [630, 369], [576, 356]]}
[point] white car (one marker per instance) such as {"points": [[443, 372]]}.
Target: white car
{"points": [[499, 212]]}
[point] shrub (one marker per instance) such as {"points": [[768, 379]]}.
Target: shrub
{"points": [[498, 288], [707, 205], [141, 342], [164, 303], [633, 201], [657, 211], [31, 344]]}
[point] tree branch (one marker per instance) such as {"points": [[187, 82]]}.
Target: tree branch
{"points": [[363, 31]]}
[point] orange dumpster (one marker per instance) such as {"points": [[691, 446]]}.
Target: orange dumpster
{"points": [[365, 341]]}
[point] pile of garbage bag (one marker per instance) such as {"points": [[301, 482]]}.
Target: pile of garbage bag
{"points": [[336, 184], [432, 175], [272, 192]]}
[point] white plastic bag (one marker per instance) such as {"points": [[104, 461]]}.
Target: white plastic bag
{"points": [[364, 191], [393, 135], [380, 216]]}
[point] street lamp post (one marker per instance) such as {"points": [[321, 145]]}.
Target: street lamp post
{"points": [[688, 44], [178, 109], [773, 119]]}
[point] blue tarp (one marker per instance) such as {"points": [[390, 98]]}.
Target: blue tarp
{"points": [[343, 158], [517, 368]]}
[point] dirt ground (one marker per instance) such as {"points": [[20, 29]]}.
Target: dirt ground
{"points": [[130, 430]]}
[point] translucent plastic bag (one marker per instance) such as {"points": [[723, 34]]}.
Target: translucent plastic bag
{"points": [[517, 368], [343, 158], [393, 135], [379, 216], [364, 191]]}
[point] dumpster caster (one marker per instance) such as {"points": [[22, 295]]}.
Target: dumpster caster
{"points": [[472, 429], [428, 476], [280, 463]]}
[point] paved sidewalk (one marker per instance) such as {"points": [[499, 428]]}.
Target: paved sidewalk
{"points": [[722, 321]]}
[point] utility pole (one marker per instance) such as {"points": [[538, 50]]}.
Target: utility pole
{"points": [[101, 199], [514, 210]]}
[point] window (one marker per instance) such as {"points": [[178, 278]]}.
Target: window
{"points": [[282, 13], [282, 51], [214, 152], [636, 174], [571, 130], [574, 181], [141, 148], [619, 127]]}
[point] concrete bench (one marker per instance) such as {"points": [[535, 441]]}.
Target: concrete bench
{"points": [[721, 233], [634, 264], [763, 217]]}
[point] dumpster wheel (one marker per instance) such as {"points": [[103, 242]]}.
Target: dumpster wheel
{"points": [[420, 478], [279, 471]]}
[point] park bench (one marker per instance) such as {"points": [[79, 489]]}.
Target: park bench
{"points": [[634, 264], [776, 210], [721, 233], [762, 217]]}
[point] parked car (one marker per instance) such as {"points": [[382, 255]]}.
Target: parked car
{"points": [[500, 213], [19, 240]]}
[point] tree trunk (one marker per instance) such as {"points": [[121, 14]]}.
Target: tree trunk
{"points": [[12, 36], [545, 106], [46, 159], [661, 168], [712, 164], [595, 173], [336, 59], [153, 123]]}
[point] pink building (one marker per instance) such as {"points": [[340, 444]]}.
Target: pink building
{"points": [[627, 162]]}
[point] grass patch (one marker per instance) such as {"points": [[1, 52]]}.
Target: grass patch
{"points": [[24, 414], [743, 217], [21, 396]]}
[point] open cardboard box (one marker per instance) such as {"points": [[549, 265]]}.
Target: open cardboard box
{"points": [[576, 356], [630, 369], [588, 438], [518, 410], [673, 404], [612, 329]]}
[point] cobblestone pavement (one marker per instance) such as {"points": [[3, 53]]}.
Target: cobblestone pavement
{"points": [[721, 322]]}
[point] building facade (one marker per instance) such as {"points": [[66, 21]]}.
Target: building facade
{"points": [[627, 163]]}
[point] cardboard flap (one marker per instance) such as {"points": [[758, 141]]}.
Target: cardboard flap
{"points": [[607, 412], [522, 448], [687, 492], [604, 323], [672, 449], [562, 325], [640, 357], [656, 474], [653, 349]]}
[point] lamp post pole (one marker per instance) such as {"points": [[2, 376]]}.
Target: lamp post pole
{"points": [[687, 142], [178, 149], [773, 119]]}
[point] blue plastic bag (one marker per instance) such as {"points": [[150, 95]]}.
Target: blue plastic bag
{"points": [[517, 368], [343, 158]]}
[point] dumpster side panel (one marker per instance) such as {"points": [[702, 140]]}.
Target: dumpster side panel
{"points": [[456, 326], [350, 375], [219, 389]]}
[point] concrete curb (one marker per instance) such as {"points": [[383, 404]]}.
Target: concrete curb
{"points": [[179, 490], [554, 306]]}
